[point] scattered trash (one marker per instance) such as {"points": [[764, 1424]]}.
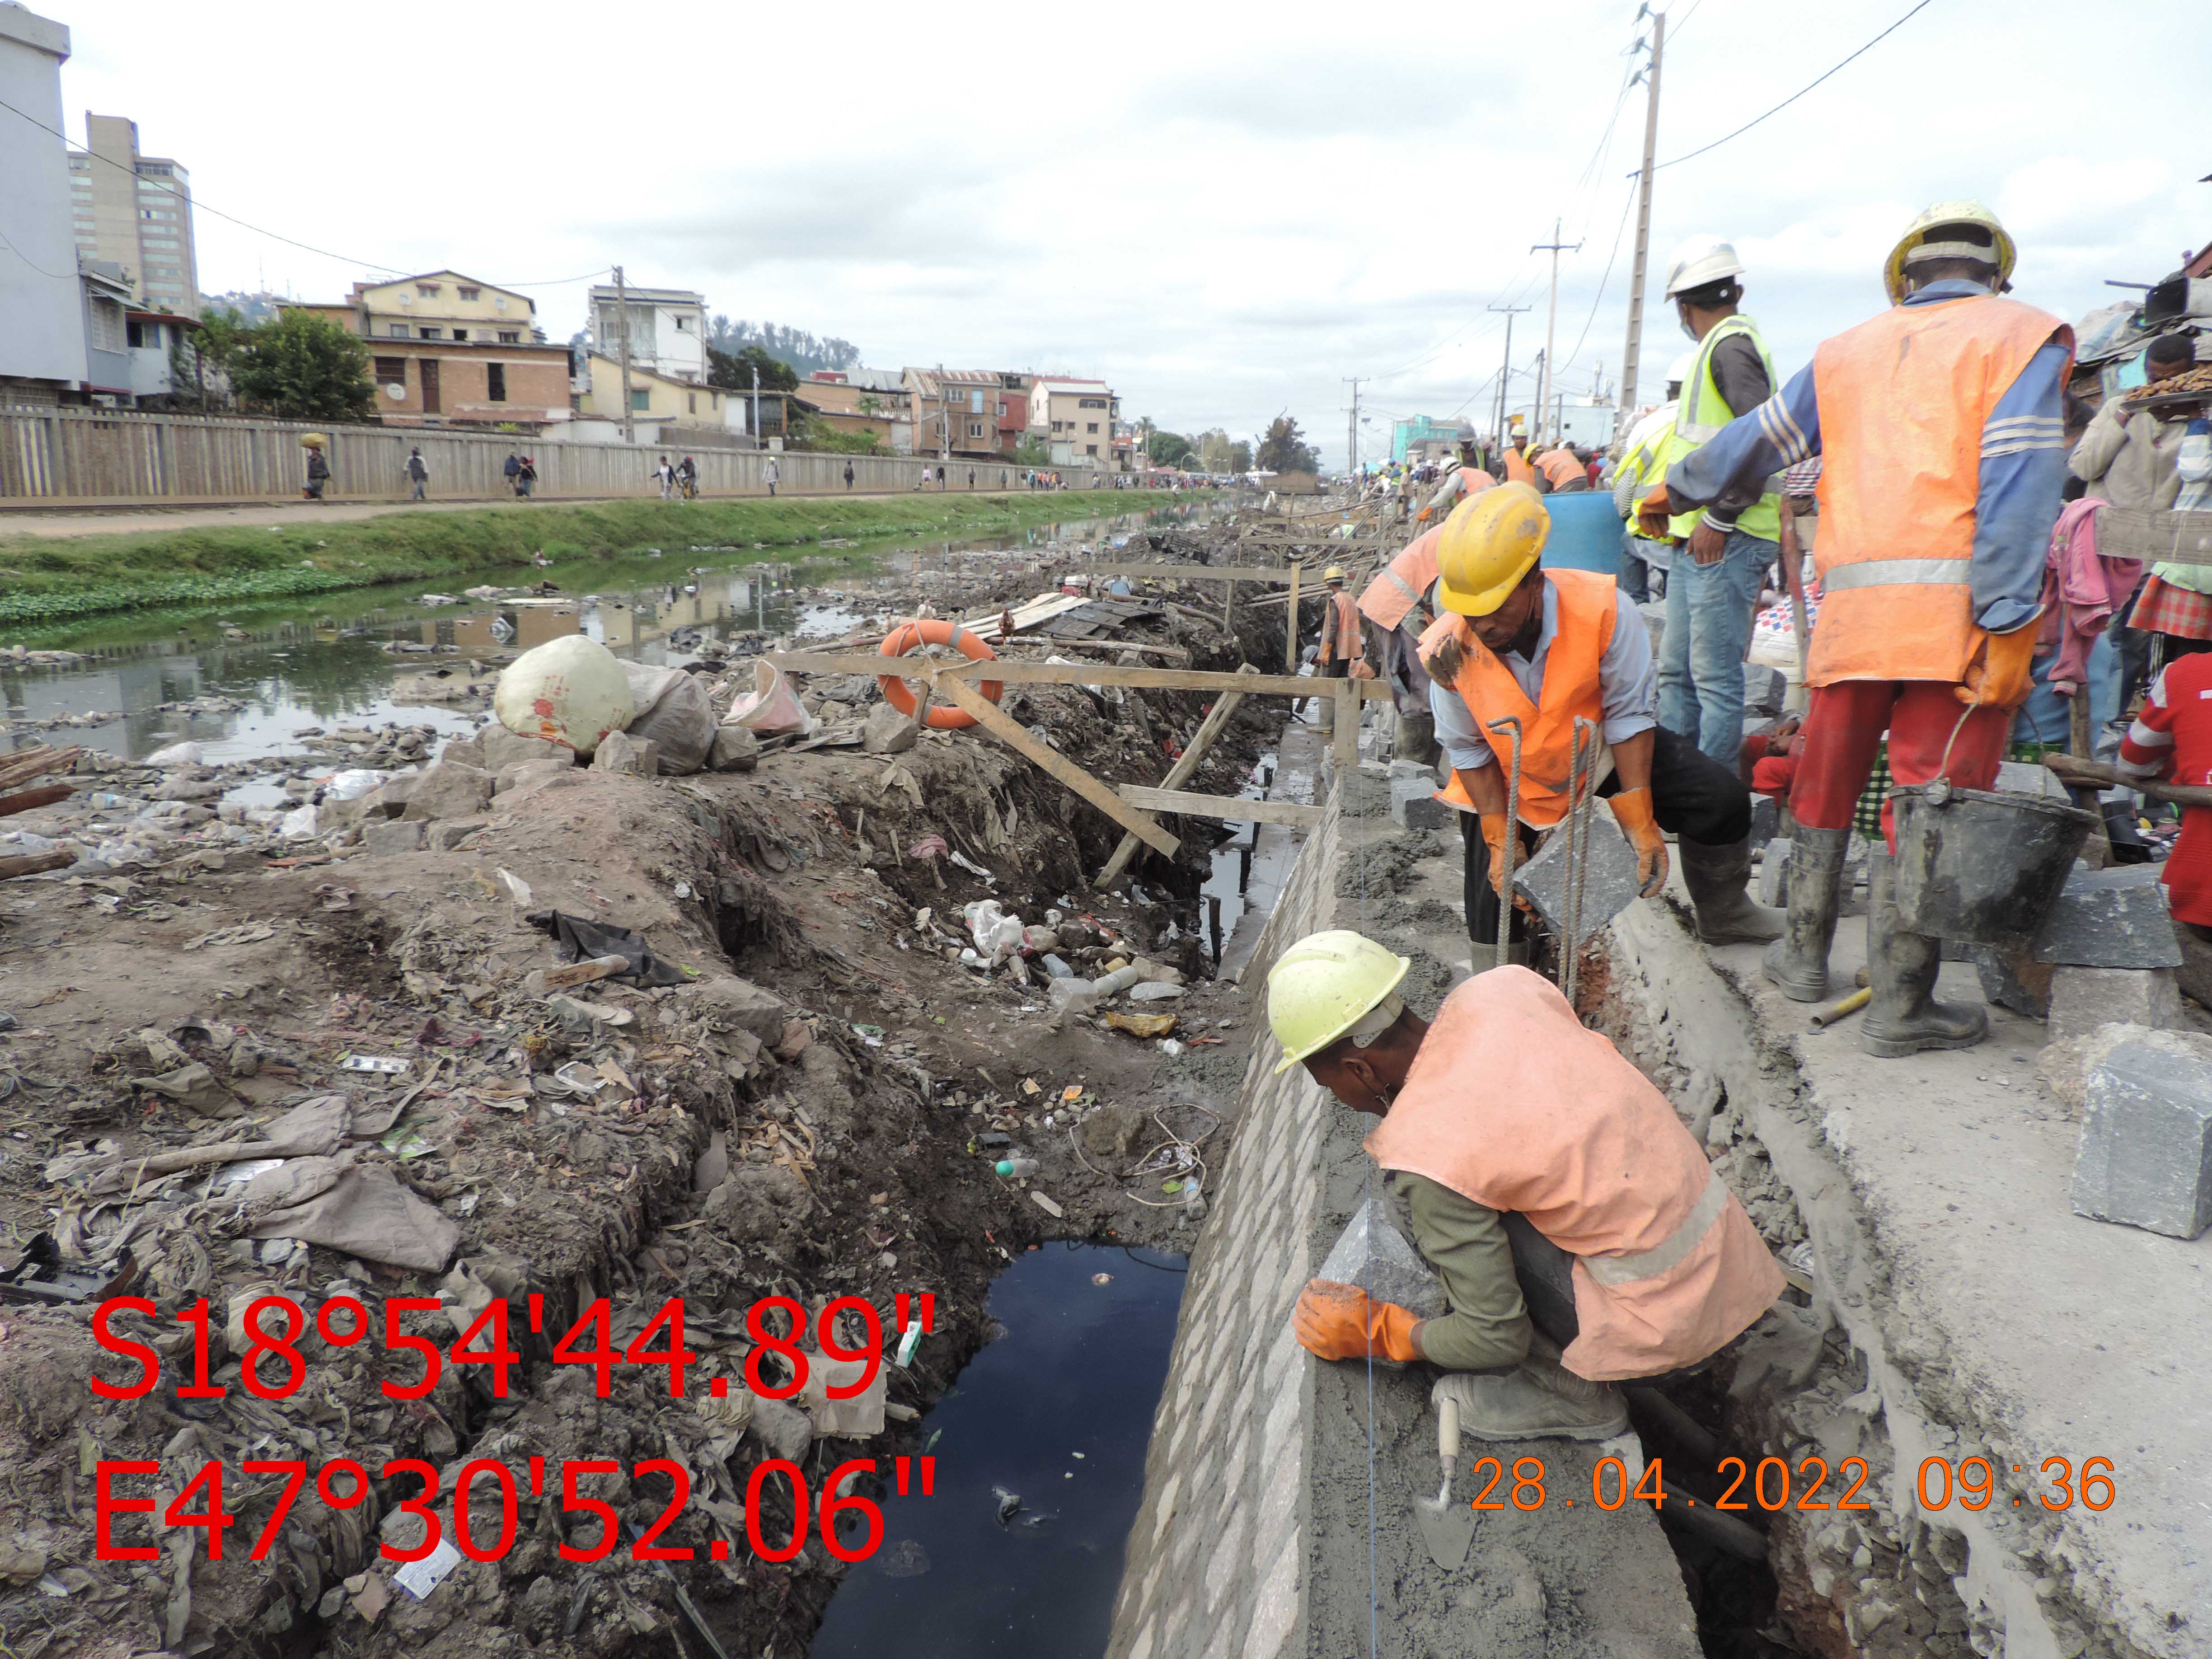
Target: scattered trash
{"points": [[974, 869], [997, 935], [515, 887], [904, 1559], [871, 1035], [176, 754], [1048, 1206], [419, 1578], [578, 939], [1099, 1279], [372, 1063], [1142, 1025], [1010, 1503], [1015, 1169], [571, 691], [771, 708]]}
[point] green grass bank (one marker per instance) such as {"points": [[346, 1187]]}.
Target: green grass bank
{"points": [[48, 580]]}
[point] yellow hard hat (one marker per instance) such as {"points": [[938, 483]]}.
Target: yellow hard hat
{"points": [[1489, 543], [1924, 240], [1323, 986], [1333, 574]]}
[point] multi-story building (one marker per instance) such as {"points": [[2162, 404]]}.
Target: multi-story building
{"points": [[42, 302], [1076, 417], [655, 397], [449, 349], [871, 400], [668, 329], [135, 211], [967, 411]]}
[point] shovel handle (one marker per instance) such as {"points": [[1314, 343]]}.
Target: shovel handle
{"points": [[1448, 1432]]}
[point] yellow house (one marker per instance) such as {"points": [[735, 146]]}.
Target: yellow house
{"points": [[653, 397], [444, 305]]}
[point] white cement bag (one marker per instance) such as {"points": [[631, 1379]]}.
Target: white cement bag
{"points": [[771, 708], [673, 710], [571, 691]]}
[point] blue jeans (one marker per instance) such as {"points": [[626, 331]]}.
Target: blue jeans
{"points": [[1708, 613]]}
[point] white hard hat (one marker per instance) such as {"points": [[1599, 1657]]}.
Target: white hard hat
{"points": [[1679, 370], [1698, 261], [1934, 236]]}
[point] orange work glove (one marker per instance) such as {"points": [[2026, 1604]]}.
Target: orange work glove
{"points": [[1340, 1321], [2001, 672], [1443, 663], [1632, 809], [1651, 514]]}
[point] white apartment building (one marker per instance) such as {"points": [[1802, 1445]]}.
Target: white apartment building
{"points": [[668, 329], [135, 211], [42, 306]]}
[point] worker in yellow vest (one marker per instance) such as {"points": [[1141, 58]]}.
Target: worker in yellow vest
{"points": [[1942, 429], [1580, 1235], [1546, 647]]}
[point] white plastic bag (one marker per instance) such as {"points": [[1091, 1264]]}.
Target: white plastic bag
{"points": [[177, 754], [673, 710], [771, 708], [571, 691], [997, 935], [354, 782], [298, 824]]}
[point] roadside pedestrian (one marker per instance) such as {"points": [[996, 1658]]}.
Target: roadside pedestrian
{"points": [[525, 480], [770, 474], [665, 475], [319, 473], [418, 473], [687, 476], [512, 468], [940, 477], [971, 477], [849, 475]]}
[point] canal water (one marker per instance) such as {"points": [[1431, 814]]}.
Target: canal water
{"points": [[1040, 1465], [242, 679]]}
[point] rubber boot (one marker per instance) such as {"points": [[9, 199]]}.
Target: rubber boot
{"points": [[1903, 1017], [1715, 877], [1798, 961], [1537, 1399]]}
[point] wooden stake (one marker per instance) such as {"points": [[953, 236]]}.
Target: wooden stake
{"points": [[1291, 628], [1347, 721], [1187, 763]]}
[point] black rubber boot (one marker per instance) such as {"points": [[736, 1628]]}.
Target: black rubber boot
{"points": [[1902, 1016], [1798, 961], [1715, 877]]}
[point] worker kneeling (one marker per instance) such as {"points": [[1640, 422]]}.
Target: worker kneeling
{"points": [[1546, 649], [1581, 1236]]}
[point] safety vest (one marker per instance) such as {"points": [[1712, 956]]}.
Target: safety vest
{"points": [[1562, 467], [1903, 399], [1702, 415], [1588, 605], [1517, 470], [1345, 642], [1640, 467], [1511, 1103], [1403, 583], [1466, 481]]}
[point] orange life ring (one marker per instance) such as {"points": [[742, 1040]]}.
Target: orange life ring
{"points": [[908, 635]]}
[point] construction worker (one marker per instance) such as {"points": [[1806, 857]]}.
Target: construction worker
{"points": [[1643, 464], [1561, 469], [1547, 648], [1580, 1235], [1462, 478], [1398, 602], [1712, 594], [1343, 647], [1941, 432]]}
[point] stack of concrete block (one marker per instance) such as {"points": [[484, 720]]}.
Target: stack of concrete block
{"points": [[2019, 778], [2107, 951], [1413, 803], [1764, 689], [1371, 1254], [1608, 886], [2146, 1152]]}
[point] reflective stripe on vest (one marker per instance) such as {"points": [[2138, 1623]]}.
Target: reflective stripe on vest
{"points": [[1610, 1270], [1884, 573]]}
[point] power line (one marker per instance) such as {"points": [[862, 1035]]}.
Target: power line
{"points": [[1795, 96], [1608, 277]]}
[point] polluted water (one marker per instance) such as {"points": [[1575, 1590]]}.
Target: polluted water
{"points": [[1040, 1464]]}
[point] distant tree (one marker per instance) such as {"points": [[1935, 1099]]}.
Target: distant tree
{"points": [[252, 309], [302, 366], [1169, 449], [1215, 451], [200, 360], [1032, 451], [793, 347], [1286, 450], [733, 370], [1240, 457]]}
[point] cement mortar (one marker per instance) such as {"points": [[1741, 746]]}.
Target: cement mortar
{"points": [[1971, 1315]]}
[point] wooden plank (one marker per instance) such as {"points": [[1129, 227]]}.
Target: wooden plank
{"points": [[1231, 809], [2096, 774], [1190, 573], [31, 864], [1291, 627], [1012, 671], [1186, 763], [1010, 731], [1346, 733], [33, 799], [2125, 532]]}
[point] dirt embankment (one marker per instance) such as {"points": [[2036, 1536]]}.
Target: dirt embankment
{"points": [[811, 1113]]}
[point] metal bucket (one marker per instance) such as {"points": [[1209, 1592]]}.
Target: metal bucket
{"points": [[1979, 866]]}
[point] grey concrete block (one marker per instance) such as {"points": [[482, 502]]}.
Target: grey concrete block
{"points": [[1414, 805], [2012, 978], [1608, 888], [736, 750], [1765, 820], [1764, 689], [449, 789], [620, 752], [447, 835], [1373, 1254], [2020, 778], [2146, 1152], [503, 748], [2114, 918], [2082, 999], [888, 732], [381, 835], [1772, 883]]}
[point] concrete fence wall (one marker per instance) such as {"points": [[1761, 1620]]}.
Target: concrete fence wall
{"points": [[102, 455]]}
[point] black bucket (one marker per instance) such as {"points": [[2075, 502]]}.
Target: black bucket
{"points": [[1980, 866]]}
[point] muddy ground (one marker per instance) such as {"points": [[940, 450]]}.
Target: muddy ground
{"points": [[811, 1112]]}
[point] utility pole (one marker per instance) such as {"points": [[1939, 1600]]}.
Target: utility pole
{"points": [[759, 441], [1552, 319], [1643, 216], [1351, 427], [621, 310], [1505, 375]]}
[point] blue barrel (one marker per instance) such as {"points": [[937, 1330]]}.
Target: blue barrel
{"points": [[1585, 532]]}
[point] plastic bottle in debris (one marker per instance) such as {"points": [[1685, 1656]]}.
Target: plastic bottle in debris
{"points": [[1016, 1168]]}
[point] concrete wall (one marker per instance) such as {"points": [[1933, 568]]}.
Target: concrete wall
{"points": [[41, 312], [1276, 1516]]}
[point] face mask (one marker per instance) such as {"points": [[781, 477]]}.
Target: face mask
{"points": [[1688, 333]]}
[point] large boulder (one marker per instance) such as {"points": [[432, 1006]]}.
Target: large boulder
{"points": [[447, 789]]}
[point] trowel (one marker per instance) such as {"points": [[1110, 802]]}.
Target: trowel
{"points": [[1447, 1529]]}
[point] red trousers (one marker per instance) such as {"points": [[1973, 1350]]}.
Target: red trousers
{"points": [[1843, 733]]}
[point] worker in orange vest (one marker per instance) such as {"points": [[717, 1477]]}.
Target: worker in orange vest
{"points": [[1580, 1233], [1942, 429], [1563, 469], [1343, 648], [1547, 648], [1399, 603]]}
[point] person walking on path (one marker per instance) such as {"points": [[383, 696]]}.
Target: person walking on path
{"points": [[319, 472], [848, 476], [1581, 1234], [512, 470], [1942, 433], [687, 479], [526, 478], [770, 474], [418, 473]]}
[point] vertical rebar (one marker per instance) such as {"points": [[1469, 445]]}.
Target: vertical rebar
{"points": [[1582, 791], [1511, 723]]}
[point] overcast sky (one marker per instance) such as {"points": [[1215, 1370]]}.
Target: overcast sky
{"points": [[1224, 213]]}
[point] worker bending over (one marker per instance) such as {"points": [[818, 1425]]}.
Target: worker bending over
{"points": [[1581, 1236], [1547, 648], [1397, 601], [1343, 647], [1941, 432]]}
